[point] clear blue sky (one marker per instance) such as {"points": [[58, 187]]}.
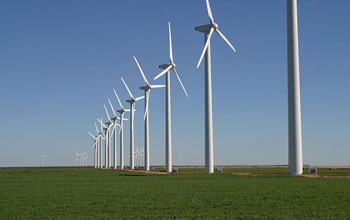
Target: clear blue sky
{"points": [[60, 60]]}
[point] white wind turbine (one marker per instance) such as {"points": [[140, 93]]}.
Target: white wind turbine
{"points": [[147, 88], [95, 139], [295, 157], [136, 158], [105, 129], [132, 102], [98, 147], [100, 144], [42, 159], [77, 156], [109, 125], [114, 132], [208, 31], [121, 130], [167, 68], [85, 157]]}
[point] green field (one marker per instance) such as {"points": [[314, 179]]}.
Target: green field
{"points": [[87, 193]]}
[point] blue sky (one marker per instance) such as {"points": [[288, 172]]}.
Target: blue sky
{"points": [[60, 60]]}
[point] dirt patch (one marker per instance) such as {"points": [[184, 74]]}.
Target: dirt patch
{"points": [[142, 171], [310, 175], [318, 176], [243, 174], [342, 177]]}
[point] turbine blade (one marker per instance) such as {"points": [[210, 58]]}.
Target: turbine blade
{"points": [[157, 86], [178, 77], [225, 39], [120, 103], [121, 125], [110, 103], [91, 135], [205, 47], [96, 128], [102, 123], [209, 13], [143, 75], [170, 46], [139, 98], [127, 88], [113, 129], [107, 113], [163, 72]]}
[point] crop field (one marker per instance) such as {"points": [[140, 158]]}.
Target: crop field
{"points": [[87, 193]]}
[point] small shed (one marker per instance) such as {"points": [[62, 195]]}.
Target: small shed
{"points": [[312, 170]]}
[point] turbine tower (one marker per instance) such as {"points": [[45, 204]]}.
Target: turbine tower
{"points": [[166, 70], [208, 30], [114, 132], [121, 130], [147, 88], [295, 157], [132, 102]]}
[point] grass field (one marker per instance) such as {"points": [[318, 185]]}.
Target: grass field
{"points": [[87, 193]]}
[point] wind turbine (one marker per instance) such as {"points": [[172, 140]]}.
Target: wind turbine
{"points": [[121, 130], [99, 140], [114, 132], [86, 157], [132, 102], [109, 125], [147, 88], [166, 70], [208, 31], [42, 159], [105, 129], [94, 147], [295, 157], [77, 156], [136, 158]]}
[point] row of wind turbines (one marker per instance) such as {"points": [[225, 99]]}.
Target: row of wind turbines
{"points": [[104, 134]]}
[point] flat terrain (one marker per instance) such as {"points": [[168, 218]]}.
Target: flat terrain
{"points": [[87, 193]]}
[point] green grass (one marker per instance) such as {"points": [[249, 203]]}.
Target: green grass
{"points": [[87, 193]]}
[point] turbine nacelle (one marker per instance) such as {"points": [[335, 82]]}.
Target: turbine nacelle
{"points": [[164, 66], [145, 88], [121, 111], [206, 27]]}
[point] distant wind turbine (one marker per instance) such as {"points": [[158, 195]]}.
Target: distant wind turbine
{"points": [[95, 146], [121, 129], [114, 132], [42, 159]]}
